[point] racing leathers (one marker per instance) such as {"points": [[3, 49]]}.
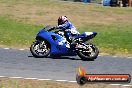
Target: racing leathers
{"points": [[70, 29]]}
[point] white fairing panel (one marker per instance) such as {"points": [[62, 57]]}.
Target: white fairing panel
{"points": [[88, 33]]}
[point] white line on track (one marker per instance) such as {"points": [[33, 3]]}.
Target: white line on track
{"points": [[115, 84], [129, 57], [16, 77], [2, 76], [61, 80], [31, 78], [72, 81], [127, 85], [6, 48], [115, 56], [44, 79], [21, 49], [37, 79]]}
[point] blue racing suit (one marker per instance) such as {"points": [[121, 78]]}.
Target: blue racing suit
{"points": [[71, 30]]}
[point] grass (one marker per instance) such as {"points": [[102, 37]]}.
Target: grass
{"points": [[112, 38], [21, 83], [20, 20], [16, 34]]}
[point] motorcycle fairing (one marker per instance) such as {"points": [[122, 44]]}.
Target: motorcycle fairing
{"points": [[53, 39]]}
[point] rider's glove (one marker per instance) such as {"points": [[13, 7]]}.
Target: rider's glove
{"points": [[57, 27], [52, 28]]}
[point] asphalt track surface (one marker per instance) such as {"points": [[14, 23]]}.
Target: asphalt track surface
{"points": [[20, 63]]}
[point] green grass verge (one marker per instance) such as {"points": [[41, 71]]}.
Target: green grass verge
{"points": [[112, 38], [14, 33]]}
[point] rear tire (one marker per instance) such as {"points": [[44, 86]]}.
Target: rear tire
{"points": [[90, 55], [40, 49]]}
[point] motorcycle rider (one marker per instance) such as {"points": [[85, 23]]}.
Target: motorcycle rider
{"points": [[64, 24]]}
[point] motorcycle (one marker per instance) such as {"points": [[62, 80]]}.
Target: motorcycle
{"points": [[49, 41]]}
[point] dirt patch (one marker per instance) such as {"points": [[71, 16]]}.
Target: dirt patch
{"points": [[21, 83], [47, 14]]}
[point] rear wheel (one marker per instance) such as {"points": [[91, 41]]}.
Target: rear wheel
{"points": [[40, 48], [89, 53]]}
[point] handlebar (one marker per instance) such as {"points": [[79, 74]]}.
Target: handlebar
{"points": [[53, 28], [50, 29]]}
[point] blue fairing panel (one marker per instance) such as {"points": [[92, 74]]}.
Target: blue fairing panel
{"points": [[55, 48]]}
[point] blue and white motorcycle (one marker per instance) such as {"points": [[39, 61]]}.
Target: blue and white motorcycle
{"points": [[50, 41]]}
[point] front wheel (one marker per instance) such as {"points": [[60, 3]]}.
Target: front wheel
{"points": [[89, 53], [40, 48]]}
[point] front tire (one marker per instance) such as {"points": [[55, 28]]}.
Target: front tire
{"points": [[40, 49], [88, 54]]}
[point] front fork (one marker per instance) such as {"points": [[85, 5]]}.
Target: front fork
{"points": [[41, 45]]}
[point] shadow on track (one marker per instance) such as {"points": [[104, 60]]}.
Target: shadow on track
{"points": [[62, 57], [59, 57]]}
